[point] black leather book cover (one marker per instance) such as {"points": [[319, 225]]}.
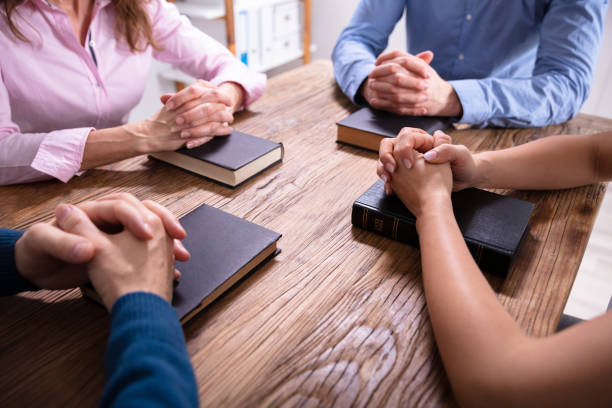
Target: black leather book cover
{"points": [[232, 152], [221, 245], [492, 225], [389, 124]]}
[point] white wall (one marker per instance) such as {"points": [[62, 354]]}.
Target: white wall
{"points": [[328, 20]]}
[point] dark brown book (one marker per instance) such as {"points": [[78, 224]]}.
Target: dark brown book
{"points": [[230, 160], [492, 225], [367, 127], [224, 248]]}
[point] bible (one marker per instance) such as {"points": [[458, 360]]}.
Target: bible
{"points": [[224, 248], [492, 225], [367, 127], [230, 160]]}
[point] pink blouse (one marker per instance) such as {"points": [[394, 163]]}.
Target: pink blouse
{"points": [[54, 91]]}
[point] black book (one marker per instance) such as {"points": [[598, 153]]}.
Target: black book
{"points": [[367, 127], [492, 225], [230, 160], [224, 248]]}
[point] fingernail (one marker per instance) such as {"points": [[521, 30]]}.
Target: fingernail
{"points": [[423, 98], [430, 155], [80, 250], [189, 145], [62, 212], [438, 133], [384, 178], [185, 135], [170, 105], [407, 163], [147, 229], [427, 75], [389, 168], [425, 84], [180, 120]]}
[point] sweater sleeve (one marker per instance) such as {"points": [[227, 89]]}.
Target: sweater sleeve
{"points": [[146, 359], [11, 281]]}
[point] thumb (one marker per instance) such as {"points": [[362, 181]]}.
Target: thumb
{"points": [[448, 153], [164, 98], [440, 138], [49, 240], [426, 56]]}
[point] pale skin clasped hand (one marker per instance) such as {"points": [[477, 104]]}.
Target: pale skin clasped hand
{"points": [[118, 243], [406, 84], [188, 118]]}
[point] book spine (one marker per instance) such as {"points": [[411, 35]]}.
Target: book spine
{"points": [[404, 230]]}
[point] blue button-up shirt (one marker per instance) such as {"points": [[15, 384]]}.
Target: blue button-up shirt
{"points": [[512, 63]]}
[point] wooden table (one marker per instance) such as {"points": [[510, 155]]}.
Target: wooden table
{"points": [[338, 318]]}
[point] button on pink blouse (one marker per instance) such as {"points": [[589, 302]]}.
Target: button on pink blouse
{"points": [[52, 93]]}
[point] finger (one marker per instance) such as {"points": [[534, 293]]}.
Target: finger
{"points": [[384, 104], [192, 144], [204, 113], [388, 189], [149, 216], [164, 98], [382, 173], [171, 223], [207, 130], [441, 138], [390, 55], [177, 274], [385, 153], [426, 56], [52, 241], [403, 96], [390, 68], [193, 91], [74, 220], [389, 83], [448, 153], [120, 212], [413, 64], [180, 252], [407, 142]]}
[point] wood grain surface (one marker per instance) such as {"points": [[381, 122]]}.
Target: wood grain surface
{"points": [[337, 319]]}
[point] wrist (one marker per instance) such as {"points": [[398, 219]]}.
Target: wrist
{"points": [[482, 163], [136, 136], [433, 209], [451, 105], [235, 92]]}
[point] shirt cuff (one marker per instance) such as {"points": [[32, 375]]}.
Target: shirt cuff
{"points": [[473, 100], [359, 74], [11, 282], [61, 153], [253, 83]]}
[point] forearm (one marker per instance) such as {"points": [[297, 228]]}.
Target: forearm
{"points": [[553, 162], [114, 144], [146, 359], [469, 323]]}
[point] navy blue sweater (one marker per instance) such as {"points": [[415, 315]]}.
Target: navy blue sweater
{"points": [[146, 359]]}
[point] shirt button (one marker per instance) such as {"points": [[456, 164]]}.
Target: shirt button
{"points": [[92, 43], [460, 57], [468, 17]]}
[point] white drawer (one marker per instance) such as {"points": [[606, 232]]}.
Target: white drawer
{"points": [[287, 47], [286, 18]]}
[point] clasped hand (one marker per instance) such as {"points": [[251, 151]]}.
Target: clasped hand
{"points": [[117, 243], [406, 84], [190, 117], [422, 169]]}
